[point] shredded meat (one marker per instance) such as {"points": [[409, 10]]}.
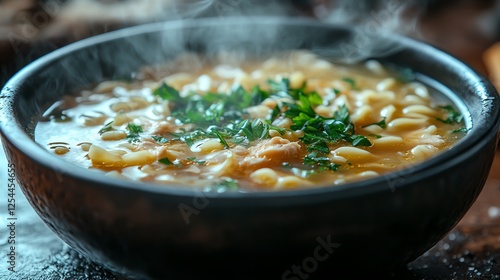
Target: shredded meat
{"points": [[272, 152]]}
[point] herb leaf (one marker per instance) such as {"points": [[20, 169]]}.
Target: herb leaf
{"points": [[159, 139], [106, 127], [167, 92], [134, 130], [321, 162], [460, 130], [381, 123], [226, 184], [221, 139], [194, 160], [165, 161], [350, 81], [453, 116]]}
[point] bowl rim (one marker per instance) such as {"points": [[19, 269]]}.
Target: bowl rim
{"points": [[12, 132]]}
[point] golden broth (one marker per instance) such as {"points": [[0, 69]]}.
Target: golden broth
{"points": [[293, 121]]}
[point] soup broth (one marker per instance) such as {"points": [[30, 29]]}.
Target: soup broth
{"points": [[291, 121]]}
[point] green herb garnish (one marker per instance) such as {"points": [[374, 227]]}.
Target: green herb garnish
{"points": [[159, 139], [106, 127], [165, 161], [460, 130], [221, 139], [452, 117], [221, 116], [375, 136], [381, 123], [320, 162], [194, 160], [167, 92], [226, 185], [134, 130], [350, 81]]}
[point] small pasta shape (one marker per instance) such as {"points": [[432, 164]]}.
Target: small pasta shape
{"points": [[367, 174], [413, 99], [353, 154], [196, 132], [363, 115], [258, 112], [387, 112], [61, 150], [288, 182], [369, 96], [297, 79], [386, 84], [419, 89], [207, 146], [121, 118], [102, 157], [375, 66], [113, 135], [138, 158], [265, 177], [421, 152], [406, 124], [419, 109], [388, 141]]}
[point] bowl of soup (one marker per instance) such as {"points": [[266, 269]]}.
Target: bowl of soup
{"points": [[249, 147]]}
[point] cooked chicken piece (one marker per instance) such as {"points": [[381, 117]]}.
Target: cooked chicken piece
{"points": [[271, 153]]}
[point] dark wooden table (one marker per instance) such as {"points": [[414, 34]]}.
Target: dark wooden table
{"points": [[470, 251]]}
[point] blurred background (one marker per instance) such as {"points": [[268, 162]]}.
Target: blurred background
{"points": [[468, 29], [31, 28]]}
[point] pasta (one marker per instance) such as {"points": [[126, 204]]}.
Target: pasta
{"points": [[292, 121]]}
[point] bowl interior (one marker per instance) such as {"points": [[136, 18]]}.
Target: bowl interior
{"points": [[400, 214], [119, 54]]}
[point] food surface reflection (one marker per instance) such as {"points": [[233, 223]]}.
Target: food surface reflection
{"points": [[294, 120]]}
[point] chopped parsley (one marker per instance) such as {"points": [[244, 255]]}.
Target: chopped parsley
{"points": [[460, 130], [452, 115], [327, 130], [221, 139], [405, 75], [350, 81], [134, 130], [222, 116], [381, 123], [226, 184], [167, 92], [320, 162], [375, 136], [105, 128], [194, 160], [165, 161], [159, 139]]}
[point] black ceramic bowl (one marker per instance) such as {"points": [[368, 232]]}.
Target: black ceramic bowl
{"points": [[146, 230]]}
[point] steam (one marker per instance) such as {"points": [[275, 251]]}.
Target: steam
{"points": [[371, 22], [131, 12]]}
